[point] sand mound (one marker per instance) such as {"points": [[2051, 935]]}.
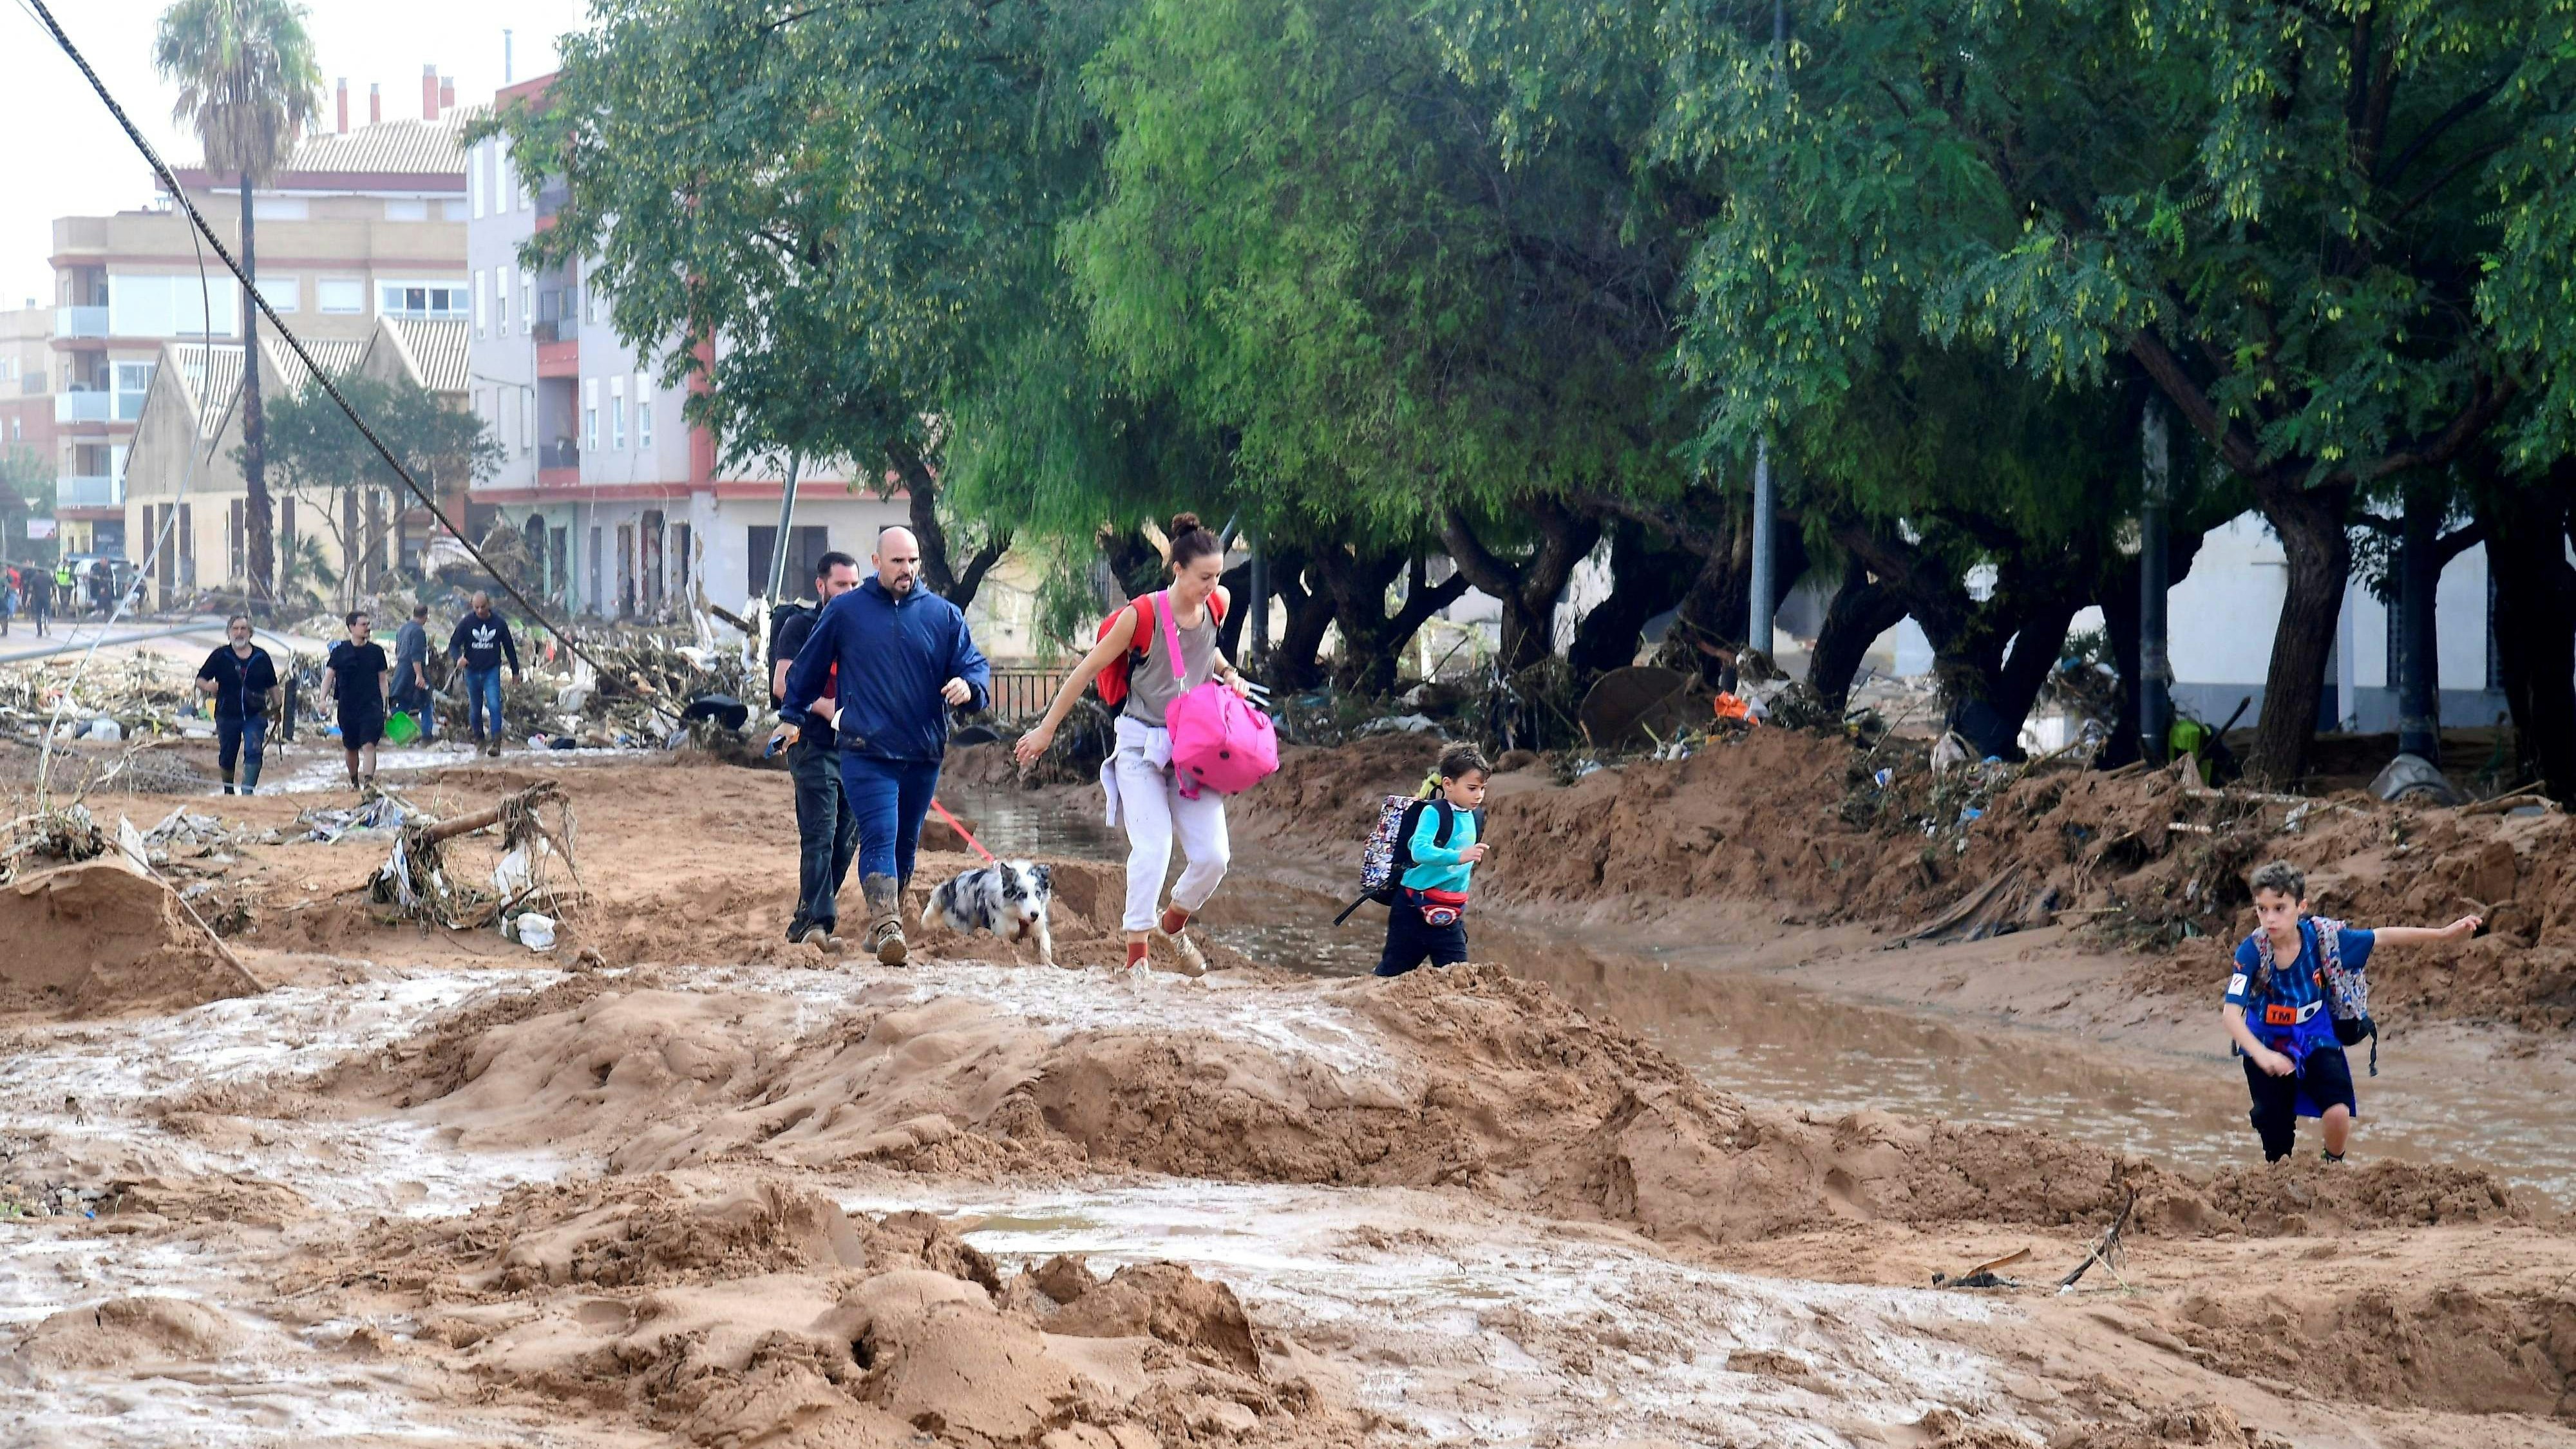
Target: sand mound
{"points": [[1470, 1077], [763, 1315], [125, 1331], [96, 939], [1163, 1301], [2463, 1349]]}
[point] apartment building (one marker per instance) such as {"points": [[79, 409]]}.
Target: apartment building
{"points": [[365, 222], [26, 378], [617, 494]]}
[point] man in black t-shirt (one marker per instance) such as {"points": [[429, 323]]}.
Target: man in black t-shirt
{"points": [[827, 834], [239, 675], [356, 674]]}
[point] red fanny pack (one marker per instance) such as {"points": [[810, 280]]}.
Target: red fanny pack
{"points": [[1440, 908]]}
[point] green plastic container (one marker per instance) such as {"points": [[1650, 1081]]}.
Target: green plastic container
{"points": [[401, 728]]}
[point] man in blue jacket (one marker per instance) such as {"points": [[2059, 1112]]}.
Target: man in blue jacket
{"points": [[905, 658]]}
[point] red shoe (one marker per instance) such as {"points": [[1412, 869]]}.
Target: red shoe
{"points": [[1174, 921]]}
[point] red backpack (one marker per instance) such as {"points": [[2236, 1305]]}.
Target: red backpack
{"points": [[1112, 679]]}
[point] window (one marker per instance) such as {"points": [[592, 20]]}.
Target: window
{"points": [[436, 300], [527, 418], [526, 282], [406, 211], [501, 300], [590, 303], [280, 208], [171, 306], [590, 413], [617, 412], [474, 180], [509, 181], [340, 296], [280, 293], [643, 413], [481, 323], [133, 380], [804, 546]]}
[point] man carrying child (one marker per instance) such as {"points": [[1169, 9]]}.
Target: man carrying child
{"points": [[2296, 975]]}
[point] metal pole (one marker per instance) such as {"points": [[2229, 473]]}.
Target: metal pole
{"points": [[1766, 502], [1757, 630], [2419, 682], [778, 548], [2155, 665], [1259, 603]]}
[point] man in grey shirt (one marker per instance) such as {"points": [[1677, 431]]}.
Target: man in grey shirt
{"points": [[411, 671]]}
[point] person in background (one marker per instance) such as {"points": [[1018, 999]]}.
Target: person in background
{"points": [[1428, 920], [2279, 1012], [357, 676], [239, 675], [827, 834], [900, 658], [40, 597], [8, 599], [481, 641], [411, 672]]}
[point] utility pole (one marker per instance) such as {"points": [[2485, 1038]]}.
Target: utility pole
{"points": [[1766, 502], [778, 547], [2155, 664]]}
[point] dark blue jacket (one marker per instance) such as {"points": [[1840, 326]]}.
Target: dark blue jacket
{"points": [[894, 654]]}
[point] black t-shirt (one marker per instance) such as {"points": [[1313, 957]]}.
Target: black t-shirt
{"points": [[241, 685], [355, 670], [794, 627]]}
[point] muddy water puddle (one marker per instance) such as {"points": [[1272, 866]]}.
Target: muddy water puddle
{"points": [[2443, 1094]]}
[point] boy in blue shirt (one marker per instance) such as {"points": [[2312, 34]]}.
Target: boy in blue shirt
{"points": [[2282, 1017], [1428, 919]]}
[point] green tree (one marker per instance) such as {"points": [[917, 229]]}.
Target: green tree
{"points": [[249, 86], [2287, 214], [325, 462]]}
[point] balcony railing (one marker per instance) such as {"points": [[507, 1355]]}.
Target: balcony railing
{"points": [[550, 329], [79, 490], [80, 321], [84, 407], [558, 455]]}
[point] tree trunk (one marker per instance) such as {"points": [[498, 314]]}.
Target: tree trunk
{"points": [[1645, 580], [257, 517], [2036, 647], [2310, 522], [1373, 640], [921, 490], [1237, 583], [1529, 590], [1295, 661], [1861, 610], [2527, 527]]}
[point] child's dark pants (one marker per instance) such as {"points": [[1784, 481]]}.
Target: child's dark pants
{"points": [[1410, 940], [2324, 1076]]}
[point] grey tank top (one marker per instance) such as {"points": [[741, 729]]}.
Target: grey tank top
{"points": [[1150, 686]]}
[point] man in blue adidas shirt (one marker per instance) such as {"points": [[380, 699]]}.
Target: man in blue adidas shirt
{"points": [[905, 659], [2280, 1016]]}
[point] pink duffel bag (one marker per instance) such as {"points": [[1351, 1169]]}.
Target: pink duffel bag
{"points": [[1219, 741]]}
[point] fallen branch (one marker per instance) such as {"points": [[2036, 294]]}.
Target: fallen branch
{"points": [[1983, 1275], [2104, 1247]]}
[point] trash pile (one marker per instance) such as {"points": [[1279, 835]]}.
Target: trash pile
{"points": [[519, 894]]}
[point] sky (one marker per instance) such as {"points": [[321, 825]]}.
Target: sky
{"points": [[68, 157]]}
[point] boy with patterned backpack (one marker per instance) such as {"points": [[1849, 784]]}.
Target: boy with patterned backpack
{"points": [[1419, 862], [2291, 1023]]}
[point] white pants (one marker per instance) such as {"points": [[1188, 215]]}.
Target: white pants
{"points": [[1147, 800]]}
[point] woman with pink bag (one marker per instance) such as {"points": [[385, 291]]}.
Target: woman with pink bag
{"points": [[1158, 652]]}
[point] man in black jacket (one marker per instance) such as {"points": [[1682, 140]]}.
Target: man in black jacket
{"points": [[827, 834], [239, 675], [481, 641]]}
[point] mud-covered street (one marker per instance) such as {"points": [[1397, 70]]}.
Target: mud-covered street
{"points": [[1681, 1173]]}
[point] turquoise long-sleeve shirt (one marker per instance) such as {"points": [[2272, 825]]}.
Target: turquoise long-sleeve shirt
{"points": [[1437, 867]]}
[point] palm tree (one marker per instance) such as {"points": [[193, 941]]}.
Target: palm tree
{"points": [[249, 85]]}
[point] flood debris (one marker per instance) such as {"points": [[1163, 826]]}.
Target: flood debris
{"points": [[418, 883]]}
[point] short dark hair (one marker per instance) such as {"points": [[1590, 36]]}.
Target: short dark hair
{"points": [[351, 618], [2283, 877], [420, 611], [1459, 761], [835, 559]]}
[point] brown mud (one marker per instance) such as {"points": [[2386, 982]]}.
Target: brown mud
{"points": [[651, 1138]]}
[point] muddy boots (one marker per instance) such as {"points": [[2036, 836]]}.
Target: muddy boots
{"points": [[885, 919]]}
